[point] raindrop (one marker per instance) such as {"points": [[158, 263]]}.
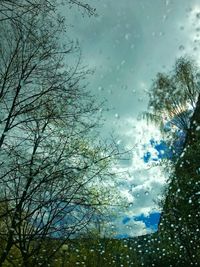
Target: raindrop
{"points": [[164, 17], [125, 87], [167, 2], [198, 15], [181, 48], [127, 36], [117, 116]]}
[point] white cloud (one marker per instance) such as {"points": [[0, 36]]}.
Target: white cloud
{"points": [[141, 184], [132, 228], [127, 50]]}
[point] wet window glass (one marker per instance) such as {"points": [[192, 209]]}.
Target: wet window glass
{"points": [[99, 133]]}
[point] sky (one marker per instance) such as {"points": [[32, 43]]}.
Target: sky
{"points": [[126, 45]]}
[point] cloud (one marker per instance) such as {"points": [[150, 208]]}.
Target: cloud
{"points": [[129, 229], [151, 221], [141, 184], [125, 226], [127, 44]]}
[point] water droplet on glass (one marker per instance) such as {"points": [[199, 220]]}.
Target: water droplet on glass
{"points": [[167, 2], [181, 48], [198, 15], [164, 17], [125, 87], [127, 36]]}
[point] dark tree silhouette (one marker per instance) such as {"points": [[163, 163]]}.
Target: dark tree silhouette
{"points": [[51, 161], [172, 95]]}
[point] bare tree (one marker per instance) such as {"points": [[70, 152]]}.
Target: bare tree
{"points": [[51, 162], [16, 10]]}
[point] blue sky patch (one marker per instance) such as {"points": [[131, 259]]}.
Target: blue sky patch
{"points": [[150, 221], [162, 149], [126, 220], [147, 157]]}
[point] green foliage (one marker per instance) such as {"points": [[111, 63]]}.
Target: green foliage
{"points": [[174, 93], [179, 230], [174, 98]]}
